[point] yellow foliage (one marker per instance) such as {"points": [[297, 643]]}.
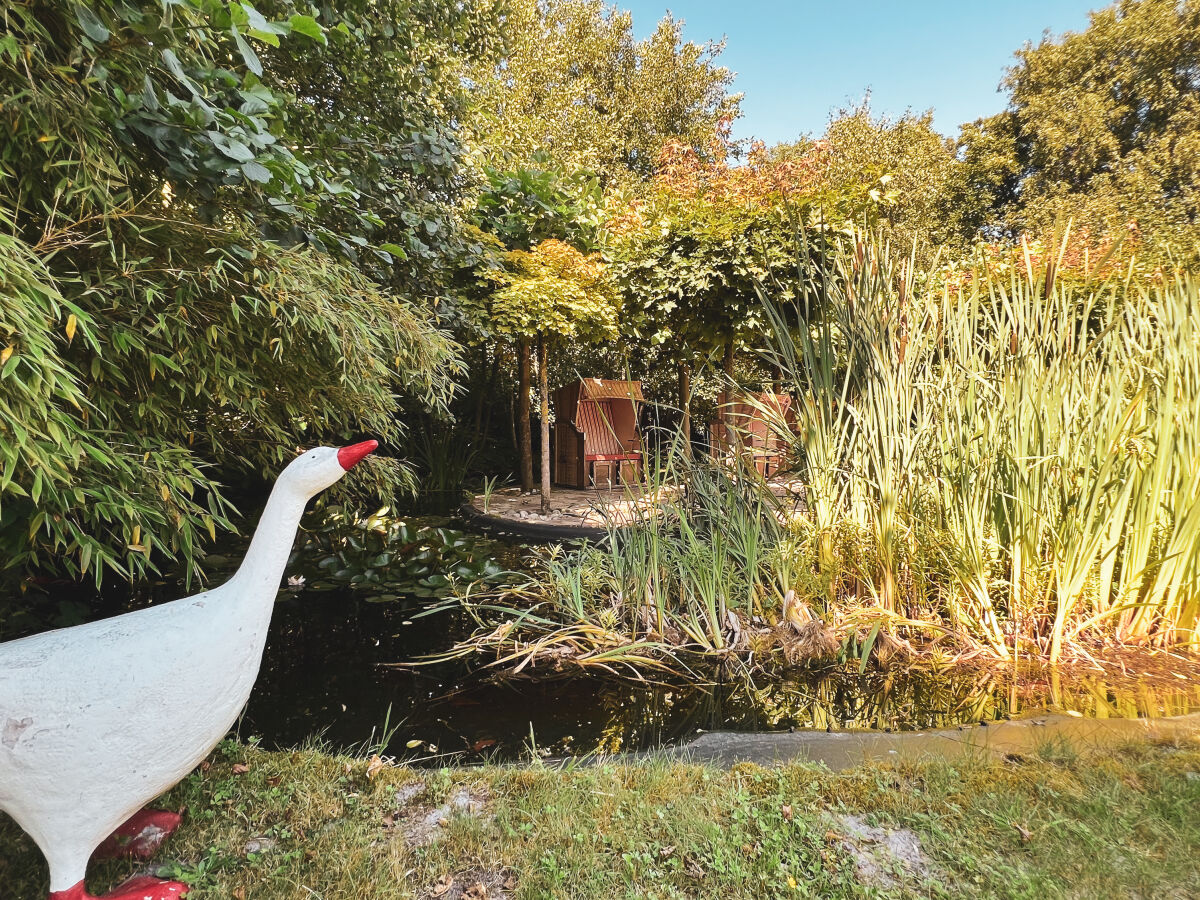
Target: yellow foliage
{"points": [[555, 290]]}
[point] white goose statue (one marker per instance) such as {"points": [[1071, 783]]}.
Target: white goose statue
{"points": [[99, 719]]}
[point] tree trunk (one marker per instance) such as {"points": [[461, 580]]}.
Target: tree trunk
{"points": [[727, 409], [488, 397], [524, 433], [479, 393], [544, 391], [685, 406]]}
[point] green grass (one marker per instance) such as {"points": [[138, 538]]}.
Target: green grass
{"points": [[1067, 823]]}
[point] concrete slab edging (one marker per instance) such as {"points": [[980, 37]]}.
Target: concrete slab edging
{"points": [[540, 532], [841, 750]]}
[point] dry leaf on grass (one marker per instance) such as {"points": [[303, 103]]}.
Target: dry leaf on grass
{"points": [[374, 766], [443, 884], [240, 768]]}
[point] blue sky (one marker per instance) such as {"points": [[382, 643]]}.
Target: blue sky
{"points": [[796, 61]]}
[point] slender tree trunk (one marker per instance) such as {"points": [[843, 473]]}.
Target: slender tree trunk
{"points": [[489, 396], [544, 391], [512, 421], [524, 433], [685, 406], [480, 394], [727, 410]]}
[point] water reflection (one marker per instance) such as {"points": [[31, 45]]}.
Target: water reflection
{"points": [[323, 673]]}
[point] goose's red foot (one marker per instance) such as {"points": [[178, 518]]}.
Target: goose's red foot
{"points": [[141, 836], [139, 888]]}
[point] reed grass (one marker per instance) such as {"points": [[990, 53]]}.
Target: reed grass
{"points": [[1047, 425], [1008, 464]]}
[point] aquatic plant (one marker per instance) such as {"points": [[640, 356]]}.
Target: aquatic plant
{"points": [[1006, 464], [1037, 435], [385, 557]]}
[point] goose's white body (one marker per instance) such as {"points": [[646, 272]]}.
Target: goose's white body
{"points": [[97, 720]]}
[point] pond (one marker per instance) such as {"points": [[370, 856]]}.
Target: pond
{"points": [[329, 672]]}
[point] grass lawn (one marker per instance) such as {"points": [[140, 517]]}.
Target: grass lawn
{"points": [[305, 824]]}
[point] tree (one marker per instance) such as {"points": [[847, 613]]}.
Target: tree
{"points": [[554, 293], [691, 253], [377, 106], [899, 173], [522, 207], [689, 274], [916, 164], [577, 87], [153, 340], [1102, 126]]}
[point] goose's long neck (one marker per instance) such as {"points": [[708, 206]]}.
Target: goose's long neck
{"points": [[262, 568]]}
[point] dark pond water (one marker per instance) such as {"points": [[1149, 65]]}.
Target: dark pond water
{"points": [[329, 673], [327, 670]]}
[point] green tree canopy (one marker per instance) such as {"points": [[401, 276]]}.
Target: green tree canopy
{"points": [[1102, 126], [555, 291], [878, 170], [577, 86], [378, 103], [529, 204], [691, 252]]}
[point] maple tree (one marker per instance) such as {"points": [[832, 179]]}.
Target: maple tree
{"points": [[693, 249], [521, 207]]}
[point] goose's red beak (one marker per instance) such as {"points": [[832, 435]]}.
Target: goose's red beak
{"points": [[351, 456]]}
